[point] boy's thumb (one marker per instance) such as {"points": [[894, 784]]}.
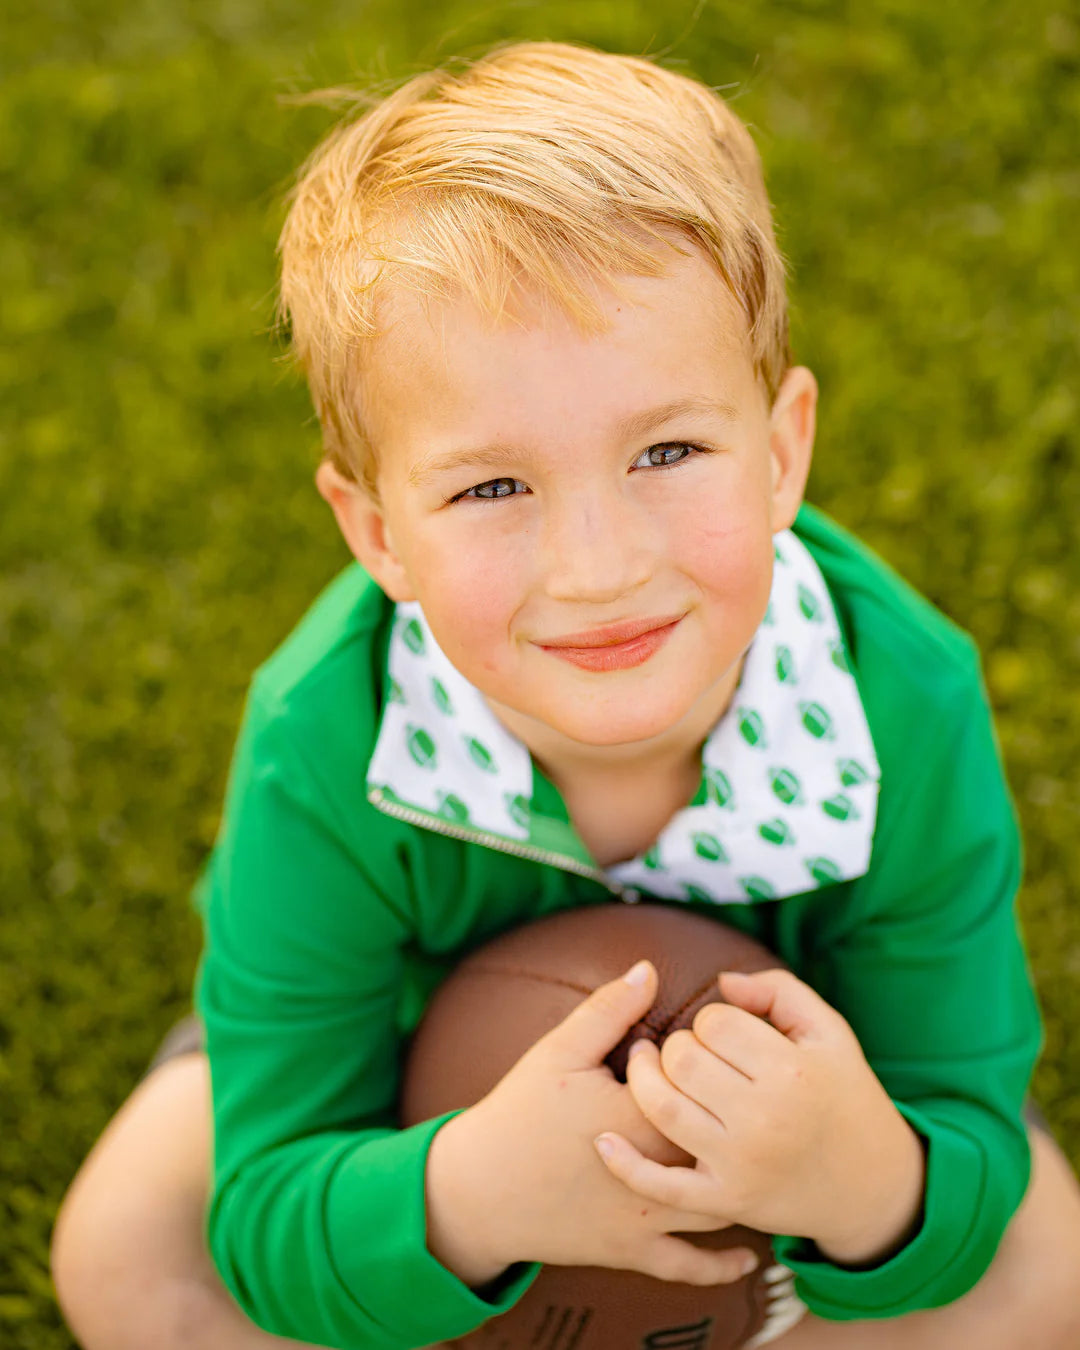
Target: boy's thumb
{"points": [[599, 1022]]}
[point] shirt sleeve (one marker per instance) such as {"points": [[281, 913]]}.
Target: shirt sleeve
{"points": [[929, 968], [317, 1220]]}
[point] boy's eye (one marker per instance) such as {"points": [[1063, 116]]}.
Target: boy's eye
{"points": [[658, 456], [495, 487]]}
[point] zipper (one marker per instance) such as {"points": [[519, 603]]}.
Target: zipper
{"points": [[437, 825]]}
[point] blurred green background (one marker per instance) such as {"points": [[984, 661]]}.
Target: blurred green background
{"points": [[160, 532]]}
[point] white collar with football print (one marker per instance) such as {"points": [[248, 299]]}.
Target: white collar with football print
{"points": [[788, 796]]}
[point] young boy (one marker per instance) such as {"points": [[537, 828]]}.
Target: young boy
{"points": [[597, 650]]}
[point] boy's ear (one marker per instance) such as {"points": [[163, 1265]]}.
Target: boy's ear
{"points": [[791, 442], [363, 525]]}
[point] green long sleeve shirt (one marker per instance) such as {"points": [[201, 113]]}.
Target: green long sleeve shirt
{"points": [[329, 921]]}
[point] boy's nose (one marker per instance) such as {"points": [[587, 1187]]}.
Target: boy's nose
{"points": [[597, 552]]}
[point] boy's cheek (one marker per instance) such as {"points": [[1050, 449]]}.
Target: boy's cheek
{"points": [[472, 611], [731, 561]]}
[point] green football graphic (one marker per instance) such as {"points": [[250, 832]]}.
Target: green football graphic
{"points": [[786, 786], [776, 831], [751, 727], [413, 636], [718, 788], [397, 694], [757, 888], [452, 807], [823, 870], [517, 808], [707, 846], [840, 807], [785, 665], [696, 893], [441, 697], [809, 604], [421, 746], [651, 858], [480, 754], [839, 656], [851, 772], [817, 721]]}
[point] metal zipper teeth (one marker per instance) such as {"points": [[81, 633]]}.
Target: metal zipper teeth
{"points": [[439, 826]]}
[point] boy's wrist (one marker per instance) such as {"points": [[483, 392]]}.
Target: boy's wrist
{"points": [[456, 1206], [894, 1214]]}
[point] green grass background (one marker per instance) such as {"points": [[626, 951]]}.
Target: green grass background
{"points": [[160, 533]]}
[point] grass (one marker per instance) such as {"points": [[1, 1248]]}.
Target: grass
{"points": [[161, 534]]}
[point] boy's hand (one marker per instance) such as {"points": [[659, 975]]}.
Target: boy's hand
{"points": [[792, 1130], [516, 1177]]}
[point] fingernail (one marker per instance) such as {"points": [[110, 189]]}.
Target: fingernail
{"points": [[637, 974], [749, 1263], [604, 1146], [635, 1049]]}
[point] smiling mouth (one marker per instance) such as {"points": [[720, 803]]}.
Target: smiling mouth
{"points": [[612, 635], [616, 647]]}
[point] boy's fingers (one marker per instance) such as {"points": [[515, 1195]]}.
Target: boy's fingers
{"points": [[683, 1189], [785, 1001], [675, 1259], [592, 1030], [743, 1041]]}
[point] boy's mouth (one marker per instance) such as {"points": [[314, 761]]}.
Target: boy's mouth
{"points": [[617, 646]]}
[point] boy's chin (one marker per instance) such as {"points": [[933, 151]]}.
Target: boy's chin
{"points": [[611, 728]]}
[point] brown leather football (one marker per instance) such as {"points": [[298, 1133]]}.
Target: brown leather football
{"points": [[499, 1001]]}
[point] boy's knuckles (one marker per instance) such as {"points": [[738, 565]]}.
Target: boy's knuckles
{"points": [[790, 1091], [789, 1076], [679, 1054], [664, 1111], [712, 1021]]}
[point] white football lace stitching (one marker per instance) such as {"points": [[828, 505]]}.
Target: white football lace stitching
{"points": [[783, 1307]]}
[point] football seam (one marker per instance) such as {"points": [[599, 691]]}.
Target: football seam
{"points": [[653, 1025]]}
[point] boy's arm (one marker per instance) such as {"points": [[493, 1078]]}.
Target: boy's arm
{"points": [[317, 1217], [928, 967]]}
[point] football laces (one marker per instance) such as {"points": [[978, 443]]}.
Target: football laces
{"points": [[783, 1307]]}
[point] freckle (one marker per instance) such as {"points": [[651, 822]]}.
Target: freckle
{"points": [[644, 1212], [562, 1082]]}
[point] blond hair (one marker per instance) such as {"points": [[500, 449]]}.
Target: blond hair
{"points": [[552, 162]]}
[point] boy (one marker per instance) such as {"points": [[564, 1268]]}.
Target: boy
{"points": [[594, 627]]}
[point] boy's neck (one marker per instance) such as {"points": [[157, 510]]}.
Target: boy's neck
{"points": [[664, 758]]}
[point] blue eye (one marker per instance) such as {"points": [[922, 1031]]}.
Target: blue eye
{"points": [[668, 455], [660, 456], [492, 490]]}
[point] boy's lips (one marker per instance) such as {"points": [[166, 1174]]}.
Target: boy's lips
{"points": [[615, 647], [611, 634]]}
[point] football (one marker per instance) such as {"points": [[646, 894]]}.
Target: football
{"points": [[497, 1002]]}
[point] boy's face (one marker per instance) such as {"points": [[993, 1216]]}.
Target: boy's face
{"points": [[527, 520]]}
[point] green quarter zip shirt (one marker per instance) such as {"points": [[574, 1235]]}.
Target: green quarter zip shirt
{"points": [[379, 824]]}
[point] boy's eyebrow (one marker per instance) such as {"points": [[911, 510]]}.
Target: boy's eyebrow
{"points": [[634, 425]]}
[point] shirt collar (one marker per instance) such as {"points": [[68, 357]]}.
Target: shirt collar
{"points": [[788, 794]]}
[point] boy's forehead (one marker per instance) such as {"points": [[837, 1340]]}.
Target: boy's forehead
{"points": [[439, 364]]}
